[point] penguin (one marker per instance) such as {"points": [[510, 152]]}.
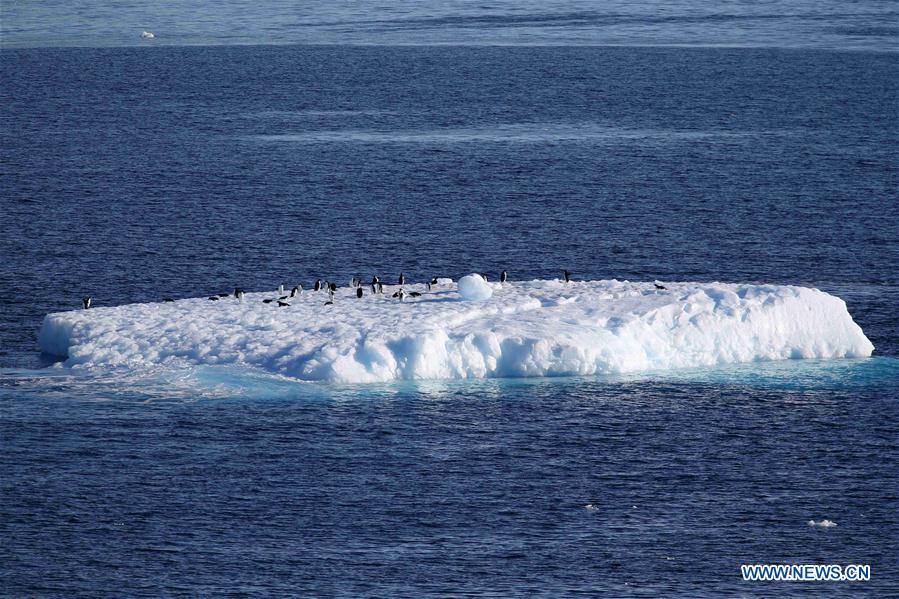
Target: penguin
{"points": [[414, 294], [318, 285], [283, 297], [86, 303], [282, 304], [483, 276], [659, 286], [503, 277], [268, 301], [224, 295], [402, 279], [375, 281], [167, 300], [280, 289], [238, 293], [380, 287], [295, 291], [332, 287], [329, 303], [359, 292], [567, 276], [400, 294], [214, 298], [331, 293]]}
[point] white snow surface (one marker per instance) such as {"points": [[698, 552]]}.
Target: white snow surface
{"points": [[526, 329]]}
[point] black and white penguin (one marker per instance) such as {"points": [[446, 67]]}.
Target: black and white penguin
{"points": [[402, 279], [659, 286], [280, 289], [414, 294], [282, 304], [483, 276], [375, 281], [332, 287], [567, 276], [268, 301], [503, 277], [400, 294], [318, 285], [85, 303], [167, 300], [214, 298], [238, 293], [359, 292], [295, 291]]}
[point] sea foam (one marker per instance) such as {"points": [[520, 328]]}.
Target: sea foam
{"points": [[526, 329]]}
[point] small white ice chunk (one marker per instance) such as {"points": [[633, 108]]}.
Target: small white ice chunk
{"points": [[474, 288], [147, 35], [822, 523]]}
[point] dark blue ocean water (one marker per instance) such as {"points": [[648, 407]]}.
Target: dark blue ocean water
{"points": [[135, 173]]}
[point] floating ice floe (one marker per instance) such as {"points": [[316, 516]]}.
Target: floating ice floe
{"points": [[822, 523], [147, 35], [525, 329]]}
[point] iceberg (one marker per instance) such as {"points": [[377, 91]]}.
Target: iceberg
{"points": [[524, 329]]}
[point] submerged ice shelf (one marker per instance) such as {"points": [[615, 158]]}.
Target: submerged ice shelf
{"points": [[527, 328]]}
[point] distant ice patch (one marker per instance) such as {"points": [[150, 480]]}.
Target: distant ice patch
{"points": [[523, 329], [147, 35], [822, 523]]}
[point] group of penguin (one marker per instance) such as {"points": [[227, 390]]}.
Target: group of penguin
{"points": [[331, 288], [376, 287]]}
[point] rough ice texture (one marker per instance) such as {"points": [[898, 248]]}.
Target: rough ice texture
{"points": [[535, 328], [474, 288]]}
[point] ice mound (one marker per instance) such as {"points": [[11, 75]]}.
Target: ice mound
{"points": [[535, 328], [474, 288]]}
